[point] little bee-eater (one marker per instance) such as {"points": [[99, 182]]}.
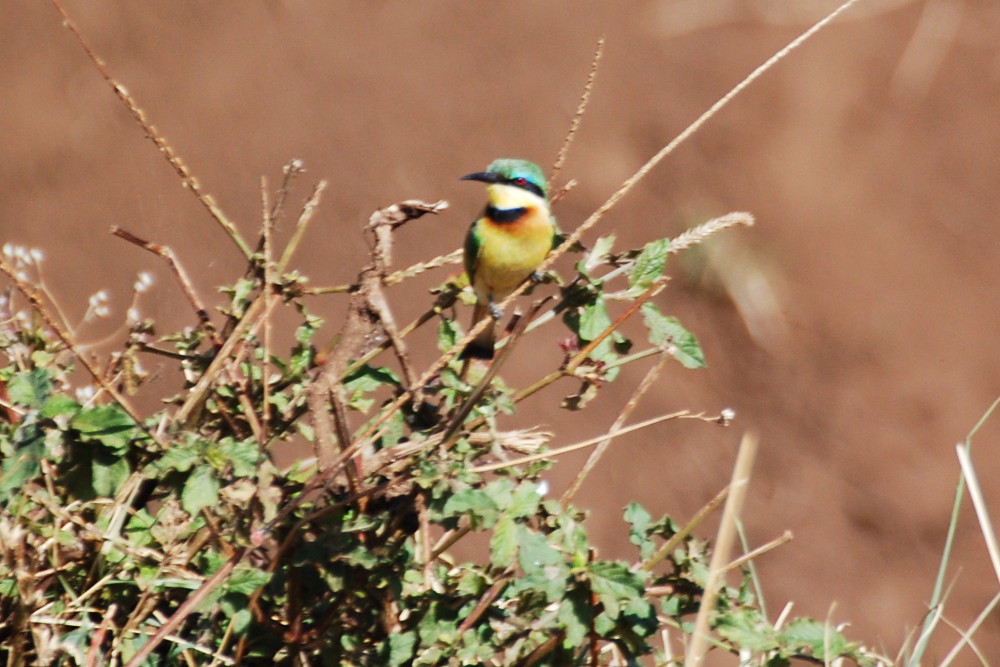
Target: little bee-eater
{"points": [[508, 242]]}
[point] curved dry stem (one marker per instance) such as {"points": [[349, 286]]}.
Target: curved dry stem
{"points": [[633, 401], [631, 182], [683, 414], [175, 161], [580, 109]]}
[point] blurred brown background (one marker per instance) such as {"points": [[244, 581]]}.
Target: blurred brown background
{"points": [[870, 157]]}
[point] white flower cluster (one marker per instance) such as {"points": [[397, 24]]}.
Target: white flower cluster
{"points": [[97, 305], [22, 257]]}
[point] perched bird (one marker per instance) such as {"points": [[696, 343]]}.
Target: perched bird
{"points": [[507, 243]]}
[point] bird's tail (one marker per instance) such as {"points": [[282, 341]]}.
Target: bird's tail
{"points": [[481, 346]]}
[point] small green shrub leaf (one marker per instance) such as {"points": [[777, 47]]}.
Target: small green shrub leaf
{"points": [[649, 265], [106, 424], [667, 331], [201, 490], [503, 544], [30, 389]]}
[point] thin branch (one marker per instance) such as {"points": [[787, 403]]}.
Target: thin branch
{"points": [[268, 221], [979, 504], [678, 537], [167, 255], [783, 539], [246, 325], [186, 609], [175, 161], [633, 180], [723, 546], [484, 383], [580, 109], [305, 217], [558, 451], [625, 413], [454, 257]]}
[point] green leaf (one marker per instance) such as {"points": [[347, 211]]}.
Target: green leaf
{"points": [[649, 265], [614, 584], [244, 456], [366, 380], [241, 621], [745, 628], [106, 424], [524, 500], [639, 519], [180, 457], [575, 615], [200, 490], [241, 292], [448, 334], [401, 647], [667, 331], [247, 580], [535, 553], [594, 319], [109, 474], [30, 389], [481, 509], [804, 635], [58, 405], [23, 461], [503, 544]]}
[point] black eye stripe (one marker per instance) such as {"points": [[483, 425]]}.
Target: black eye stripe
{"points": [[525, 184]]}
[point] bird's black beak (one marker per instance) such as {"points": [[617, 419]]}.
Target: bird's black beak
{"points": [[483, 176]]}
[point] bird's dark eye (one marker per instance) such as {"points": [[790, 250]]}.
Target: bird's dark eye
{"points": [[520, 181]]}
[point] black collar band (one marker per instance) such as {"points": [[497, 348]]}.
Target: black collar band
{"points": [[505, 215]]}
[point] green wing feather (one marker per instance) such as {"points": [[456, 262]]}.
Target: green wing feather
{"points": [[472, 245]]}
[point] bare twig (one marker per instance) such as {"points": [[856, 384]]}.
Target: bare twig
{"points": [[484, 603], [305, 217], [454, 257], [167, 255], [580, 109], [783, 539], [683, 414], [723, 546], [186, 608], [175, 161], [598, 451], [678, 537], [271, 213], [198, 393]]}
